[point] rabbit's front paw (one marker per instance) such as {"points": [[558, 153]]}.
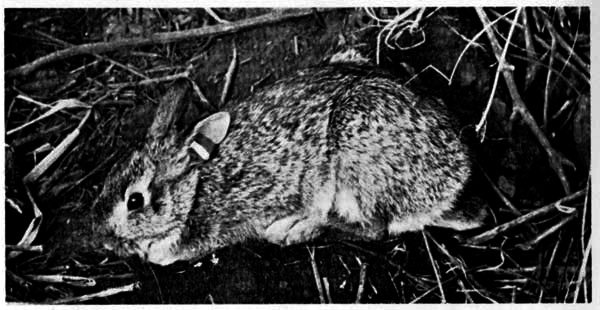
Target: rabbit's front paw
{"points": [[293, 229]]}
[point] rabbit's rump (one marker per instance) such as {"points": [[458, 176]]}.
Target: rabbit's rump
{"points": [[347, 146]]}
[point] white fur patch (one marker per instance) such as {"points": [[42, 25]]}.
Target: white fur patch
{"points": [[410, 224], [118, 218], [347, 206], [161, 252], [323, 200], [414, 222]]}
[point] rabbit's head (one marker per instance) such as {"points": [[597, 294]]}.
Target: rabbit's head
{"points": [[146, 198]]}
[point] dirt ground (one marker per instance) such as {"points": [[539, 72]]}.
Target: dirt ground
{"points": [[431, 267]]}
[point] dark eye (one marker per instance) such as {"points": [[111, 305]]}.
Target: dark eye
{"points": [[135, 201]]}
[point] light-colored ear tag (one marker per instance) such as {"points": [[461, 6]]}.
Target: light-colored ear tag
{"points": [[200, 150], [203, 146]]}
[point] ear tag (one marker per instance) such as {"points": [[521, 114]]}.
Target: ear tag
{"points": [[204, 148]]}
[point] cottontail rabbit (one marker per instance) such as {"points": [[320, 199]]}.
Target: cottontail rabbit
{"points": [[337, 147]]}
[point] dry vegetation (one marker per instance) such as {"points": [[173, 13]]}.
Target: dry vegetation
{"points": [[78, 98]]}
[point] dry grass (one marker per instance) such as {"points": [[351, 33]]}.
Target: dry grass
{"points": [[67, 124]]}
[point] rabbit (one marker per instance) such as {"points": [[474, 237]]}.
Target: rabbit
{"points": [[337, 147]]}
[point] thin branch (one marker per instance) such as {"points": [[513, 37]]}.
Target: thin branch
{"points": [[98, 57], [582, 270], [361, 282], [315, 269], [229, 77], [490, 234], [547, 89], [532, 68], [435, 269], [564, 44], [105, 293], [528, 245], [473, 40], [148, 82], [160, 38], [51, 158], [502, 65], [520, 108]]}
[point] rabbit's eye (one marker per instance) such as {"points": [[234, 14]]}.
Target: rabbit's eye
{"points": [[135, 201]]}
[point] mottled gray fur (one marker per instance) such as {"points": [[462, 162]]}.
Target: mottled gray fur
{"points": [[338, 147]]}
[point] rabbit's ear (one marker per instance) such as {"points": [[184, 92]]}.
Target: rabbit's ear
{"points": [[208, 133], [169, 108]]}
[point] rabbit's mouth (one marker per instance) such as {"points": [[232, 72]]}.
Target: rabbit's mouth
{"points": [[161, 252]]}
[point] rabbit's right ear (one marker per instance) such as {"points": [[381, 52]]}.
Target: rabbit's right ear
{"points": [[208, 133]]}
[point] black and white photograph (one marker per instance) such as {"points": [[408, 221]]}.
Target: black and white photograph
{"points": [[300, 154]]}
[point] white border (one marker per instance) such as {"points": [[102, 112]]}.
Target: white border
{"points": [[286, 3], [334, 3]]}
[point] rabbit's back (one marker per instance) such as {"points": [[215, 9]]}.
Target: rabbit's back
{"points": [[341, 142]]}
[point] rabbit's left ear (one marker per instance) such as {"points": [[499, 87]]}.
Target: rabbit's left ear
{"points": [[208, 133]]}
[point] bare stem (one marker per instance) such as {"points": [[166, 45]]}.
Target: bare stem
{"points": [[160, 38]]}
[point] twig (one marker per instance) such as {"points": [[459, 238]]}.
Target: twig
{"points": [[391, 24], [229, 77], [490, 234], [547, 89], [573, 39], [105, 293], [502, 65], [260, 81], [528, 245], [503, 17], [27, 248], [162, 79], [549, 267], [76, 281], [206, 105], [160, 38], [51, 158], [215, 16], [381, 257], [582, 270], [464, 290], [566, 63], [98, 57], [435, 268], [315, 269], [562, 77], [160, 294], [296, 46], [473, 41], [532, 68], [361, 282], [423, 295], [564, 43], [520, 108], [327, 293], [583, 228], [61, 105]]}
